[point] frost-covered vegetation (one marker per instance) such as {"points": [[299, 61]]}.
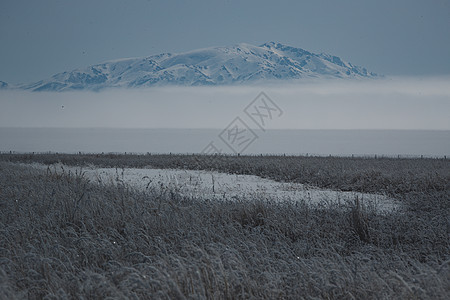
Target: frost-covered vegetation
{"points": [[62, 236]]}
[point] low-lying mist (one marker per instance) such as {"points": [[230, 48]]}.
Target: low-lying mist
{"points": [[390, 103]]}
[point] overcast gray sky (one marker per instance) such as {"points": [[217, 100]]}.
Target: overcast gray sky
{"points": [[393, 37]]}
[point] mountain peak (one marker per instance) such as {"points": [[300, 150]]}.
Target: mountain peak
{"points": [[271, 45], [239, 64], [277, 45]]}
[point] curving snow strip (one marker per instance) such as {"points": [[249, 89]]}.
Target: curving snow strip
{"points": [[215, 185]]}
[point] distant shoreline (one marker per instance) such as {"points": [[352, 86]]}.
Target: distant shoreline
{"points": [[315, 142]]}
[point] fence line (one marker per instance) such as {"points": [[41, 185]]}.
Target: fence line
{"points": [[368, 156]]}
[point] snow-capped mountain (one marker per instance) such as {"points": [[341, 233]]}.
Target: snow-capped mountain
{"points": [[3, 85], [242, 63]]}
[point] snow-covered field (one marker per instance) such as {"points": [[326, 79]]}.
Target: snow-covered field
{"points": [[214, 185]]}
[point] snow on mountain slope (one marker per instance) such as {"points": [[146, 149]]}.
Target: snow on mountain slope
{"points": [[242, 63]]}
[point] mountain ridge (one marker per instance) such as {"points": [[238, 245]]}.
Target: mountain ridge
{"points": [[237, 64]]}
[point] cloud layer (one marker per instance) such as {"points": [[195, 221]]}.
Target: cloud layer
{"points": [[391, 103]]}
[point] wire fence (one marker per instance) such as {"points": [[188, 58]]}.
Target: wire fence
{"points": [[359, 156]]}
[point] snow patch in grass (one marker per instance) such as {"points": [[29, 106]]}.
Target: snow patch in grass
{"points": [[211, 185]]}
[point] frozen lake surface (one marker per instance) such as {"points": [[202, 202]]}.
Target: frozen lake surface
{"points": [[222, 186], [318, 142]]}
